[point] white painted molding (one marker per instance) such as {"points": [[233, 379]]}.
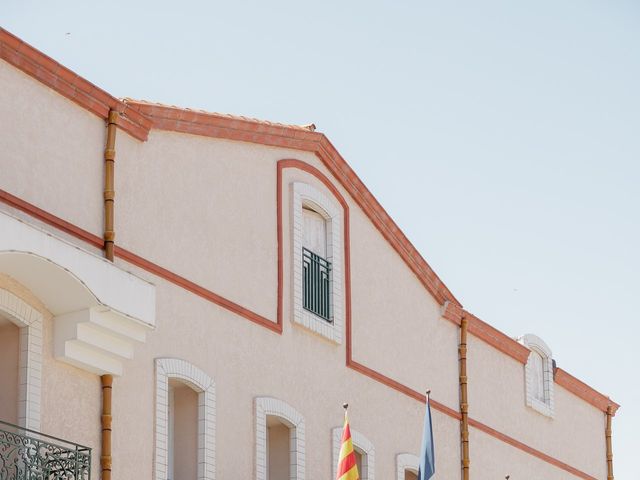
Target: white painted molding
{"points": [[360, 443], [204, 385], [268, 406], [536, 344], [98, 281], [29, 321], [99, 309], [404, 462], [306, 195]]}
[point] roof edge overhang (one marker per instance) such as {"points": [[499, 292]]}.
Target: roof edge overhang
{"points": [[69, 84]]}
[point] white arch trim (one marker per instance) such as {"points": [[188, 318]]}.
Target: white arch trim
{"points": [[202, 383], [536, 344], [306, 195], [406, 461], [29, 321], [268, 406], [363, 445]]}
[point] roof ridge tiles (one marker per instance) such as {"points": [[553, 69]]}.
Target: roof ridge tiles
{"points": [[134, 102]]}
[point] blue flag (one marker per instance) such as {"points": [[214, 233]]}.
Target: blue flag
{"points": [[427, 458]]}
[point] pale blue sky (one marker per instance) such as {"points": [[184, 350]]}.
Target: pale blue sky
{"points": [[502, 136]]}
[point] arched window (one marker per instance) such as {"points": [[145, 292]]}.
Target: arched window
{"points": [[365, 453], [407, 466], [183, 431], [21, 357], [185, 422], [539, 375], [318, 247], [314, 230], [9, 358], [279, 441]]}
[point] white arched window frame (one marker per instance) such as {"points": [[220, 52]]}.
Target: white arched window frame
{"points": [[404, 462], [542, 402], [362, 445], [202, 383], [29, 321], [304, 195], [268, 406]]}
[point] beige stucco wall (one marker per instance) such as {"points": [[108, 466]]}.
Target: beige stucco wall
{"points": [[214, 206], [297, 367], [51, 150], [497, 398], [492, 459], [205, 209], [9, 353]]}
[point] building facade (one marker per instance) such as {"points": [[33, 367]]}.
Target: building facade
{"points": [[194, 295]]}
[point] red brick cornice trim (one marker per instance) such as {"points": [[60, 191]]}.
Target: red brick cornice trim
{"points": [[51, 219], [298, 138], [65, 82], [497, 339], [584, 391], [487, 333]]}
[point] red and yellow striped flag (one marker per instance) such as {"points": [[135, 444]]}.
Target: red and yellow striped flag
{"points": [[347, 468]]}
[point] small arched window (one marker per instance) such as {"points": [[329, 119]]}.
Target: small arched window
{"points": [[539, 375], [21, 357], [185, 421], [279, 440], [314, 231], [407, 466], [317, 257], [364, 450]]}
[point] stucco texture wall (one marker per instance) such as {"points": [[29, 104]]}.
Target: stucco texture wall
{"points": [[497, 398], [51, 150]]}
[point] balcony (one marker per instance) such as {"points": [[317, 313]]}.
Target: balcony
{"points": [[29, 455], [316, 292]]}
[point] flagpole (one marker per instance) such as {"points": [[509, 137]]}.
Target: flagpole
{"points": [[347, 468], [427, 466]]}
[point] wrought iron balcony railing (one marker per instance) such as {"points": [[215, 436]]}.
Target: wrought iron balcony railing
{"points": [[29, 455], [316, 277]]}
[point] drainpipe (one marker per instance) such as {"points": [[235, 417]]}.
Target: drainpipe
{"points": [[105, 457], [109, 237], [609, 448], [464, 400], [109, 187]]}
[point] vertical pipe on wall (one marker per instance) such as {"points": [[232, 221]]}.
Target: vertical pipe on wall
{"points": [[464, 401], [609, 447], [105, 457], [109, 184], [109, 237]]}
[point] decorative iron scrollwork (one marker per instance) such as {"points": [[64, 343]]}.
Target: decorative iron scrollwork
{"points": [[29, 455]]}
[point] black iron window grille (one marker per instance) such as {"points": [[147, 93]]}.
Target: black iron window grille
{"points": [[316, 279], [28, 455]]}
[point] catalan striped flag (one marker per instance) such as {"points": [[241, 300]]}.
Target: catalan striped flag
{"points": [[347, 468]]}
